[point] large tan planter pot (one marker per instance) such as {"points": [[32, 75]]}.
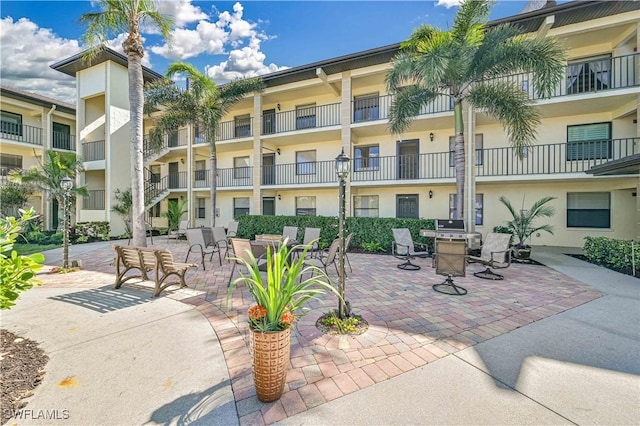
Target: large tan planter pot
{"points": [[271, 352]]}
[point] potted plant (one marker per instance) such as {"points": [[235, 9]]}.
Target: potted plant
{"points": [[522, 227], [174, 213], [280, 295]]}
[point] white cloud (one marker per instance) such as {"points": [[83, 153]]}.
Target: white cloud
{"points": [[242, 63], [182, 11], [449, 3], [205, 38], [26, 54], [116, 44]]}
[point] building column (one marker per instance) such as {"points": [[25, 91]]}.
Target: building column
{"points": [[256, 123], [469, 215], [345, 133], [190, 198]]}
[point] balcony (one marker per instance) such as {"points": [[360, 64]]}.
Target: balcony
{"points": [[95, 200], [201, 178], [597, 75], [303, 118], [21, 133], [234, 129], [177, 180], [65, 141], [378, 107], [176, 139], [235, 177], [93, 151]]}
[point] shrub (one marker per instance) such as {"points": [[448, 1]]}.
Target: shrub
{"points": [[92, 230], [610, 253], [365, 229]]}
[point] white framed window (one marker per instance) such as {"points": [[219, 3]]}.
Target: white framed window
{"points": [[242, 126], [10, 123], [201, 208], [366, 158], [9, 162], [479, 207], [366, 206], [305, 116], [589, 141], [240, 206], [588, 210], [200, 173], [589, 74], [306, 162], [306, 206], [241, 168], [366, 107]]}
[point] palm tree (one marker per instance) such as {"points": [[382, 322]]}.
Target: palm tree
{"points": [[120, 16], [466, 63], [47, 176], [202, 105]]}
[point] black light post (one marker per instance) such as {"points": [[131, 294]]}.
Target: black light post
{"points": [[342, 171], [66, 183]]}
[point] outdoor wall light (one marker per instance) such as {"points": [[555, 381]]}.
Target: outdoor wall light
{"points": [[431, 136], [279, 197], [278, 106], [182, 160], [278, 151], [430, 194]]}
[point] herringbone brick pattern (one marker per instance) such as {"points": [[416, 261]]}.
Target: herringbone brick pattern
{"points": [[410, 324]]}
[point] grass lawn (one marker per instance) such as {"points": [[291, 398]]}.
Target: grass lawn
{"points": [[25, 249]]}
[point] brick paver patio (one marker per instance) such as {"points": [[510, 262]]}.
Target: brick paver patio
{"points": [[410, 325]]}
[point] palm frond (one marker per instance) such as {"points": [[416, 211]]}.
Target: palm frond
{"points": [[235, 90], [406, 105], [490, 58], [512, 108], [470, 18]]}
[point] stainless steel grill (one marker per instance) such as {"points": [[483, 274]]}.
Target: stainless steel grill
{"points": [[451, 229]]}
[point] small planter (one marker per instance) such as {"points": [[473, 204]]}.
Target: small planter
{"points": [[270, 361], [521, 253]]}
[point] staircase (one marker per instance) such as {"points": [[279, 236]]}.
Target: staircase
{"points": [[152, 152], [155, 188]]}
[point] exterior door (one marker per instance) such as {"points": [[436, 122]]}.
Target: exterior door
{"points": [[268, 121], [408, 159], [269, 206], [54, 213], [268, 169], [407, 206], [174, 176]]}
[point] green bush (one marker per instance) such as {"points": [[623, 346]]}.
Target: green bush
{"points": [[365, 229], [93, 230], [610, 253]]}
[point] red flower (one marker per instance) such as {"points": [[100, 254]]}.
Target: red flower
{"points": [[257, 312], [287, 318]]}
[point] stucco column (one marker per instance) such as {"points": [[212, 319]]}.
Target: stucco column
{"points": [[345, 120], [190, 199], [256, 124], [469, 215]]}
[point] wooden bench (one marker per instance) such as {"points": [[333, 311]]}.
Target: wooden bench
{"points": [[145, 260]]}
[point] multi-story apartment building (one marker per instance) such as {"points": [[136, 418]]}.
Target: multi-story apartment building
{"points": [[29, 125], [276, 150]]}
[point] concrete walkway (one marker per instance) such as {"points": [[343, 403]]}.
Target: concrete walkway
{"points": [[121, 357]]}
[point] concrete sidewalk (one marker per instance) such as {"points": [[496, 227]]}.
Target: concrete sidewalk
{"points": [[581, 366]]}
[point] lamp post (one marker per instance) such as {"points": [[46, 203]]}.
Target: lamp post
{"points": [[342, 171], [66, 183]]}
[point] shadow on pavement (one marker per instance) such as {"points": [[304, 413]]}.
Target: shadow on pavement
{"points": [[103, 299]]}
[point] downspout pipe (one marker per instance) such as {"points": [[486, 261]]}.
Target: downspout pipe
{"points": [[49, 144]]}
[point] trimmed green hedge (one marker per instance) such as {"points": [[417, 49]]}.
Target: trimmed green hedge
{"points": [[365, 230], [611, 253]]}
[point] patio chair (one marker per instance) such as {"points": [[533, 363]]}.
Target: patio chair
{"points": [[347, 244], [450, 260], [182, 229], [197, 244], [232, 229], [494, 253], [241, 249], [326, 257], [290, 232], [311, 238], [220, 242], [403, 248]]}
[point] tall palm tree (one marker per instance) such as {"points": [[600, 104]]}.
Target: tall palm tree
{"points": [[47, 176], [466, 63], [119, 16], [202, 105]]}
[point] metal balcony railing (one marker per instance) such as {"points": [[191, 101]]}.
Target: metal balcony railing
{"points": [[95, 200], [21, 133], [93, 151], [312, 117], [201, 178], [64, 141], [585, 77], [378, 107], [154, 185], [233, 177], [177, 180], [234, 129]]}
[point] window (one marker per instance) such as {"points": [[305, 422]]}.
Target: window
{"points": [[407, 206], [588, 210], [366, 158], [305, 206], [242, 126], [479, 207], [306, 162], [240, 206], [241, 169], [366, 206], [10, 123], [155, 174], [479, 150], [589, 141], [199, 135], [154, 211], [9, 162], [588, 75], [200, 172], [173, 139], [61, 136], [305, 116], [200, 210], [366, 107]]}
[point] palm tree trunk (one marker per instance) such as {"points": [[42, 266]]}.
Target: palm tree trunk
{"points": [[213, 165], [136, 99], [459, 159]]}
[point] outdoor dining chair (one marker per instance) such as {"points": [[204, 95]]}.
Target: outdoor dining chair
{"points": [[242, 249], [197, 244], [290, 232], [220, 242], [326, 257], [311, 238], [232, 229], [494, 253], [450, 260], [403, 248]]}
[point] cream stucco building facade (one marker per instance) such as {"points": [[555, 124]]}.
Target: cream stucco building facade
{"points": [[276, 150]]}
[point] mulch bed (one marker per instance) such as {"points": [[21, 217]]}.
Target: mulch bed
{"points": [[22, 365]]}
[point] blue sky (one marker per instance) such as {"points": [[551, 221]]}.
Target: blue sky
{"points": [[224, 39]]}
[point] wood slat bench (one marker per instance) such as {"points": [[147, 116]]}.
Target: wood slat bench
{"points": [[146, 260]]}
